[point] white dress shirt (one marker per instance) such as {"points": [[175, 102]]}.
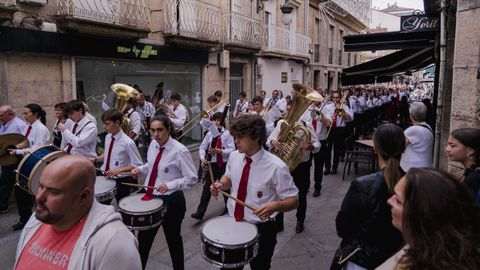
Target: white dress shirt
{"points": [[269, 180], [124, 153], [313, 138], [84, 141], [15, 126], [228, 145], [240, 107], [321, 130], [38, 136], [176, 168], [181, 114], [135, 122], [147, 108], [341, 122]]}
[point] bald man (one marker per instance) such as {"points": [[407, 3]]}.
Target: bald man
{"points": [[10, 124], [71, 230]]}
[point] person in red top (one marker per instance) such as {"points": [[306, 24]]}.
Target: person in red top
{"points": [[69, 229]]}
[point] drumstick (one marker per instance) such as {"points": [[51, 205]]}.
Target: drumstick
{"points": [[136, 185], [237, 200]]}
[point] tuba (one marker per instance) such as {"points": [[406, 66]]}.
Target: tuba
{"points": [[124, 92], [293, 135]]}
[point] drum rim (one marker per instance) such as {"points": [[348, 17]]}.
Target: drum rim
{"points": [[230, 265], [246, 244], [120, 209], [25, 159], [203, 227], [144, 228], [38, 164]]}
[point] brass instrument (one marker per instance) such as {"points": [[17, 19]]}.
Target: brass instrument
{"points": [[162, 104], [316, 112], [269, 106], [239, 107], [340, 110], [293, 135], [124, 92], [196, 119]]}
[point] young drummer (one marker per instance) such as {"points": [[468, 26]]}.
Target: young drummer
{"points": [[121, 155], [220, 144], [261, 180]]}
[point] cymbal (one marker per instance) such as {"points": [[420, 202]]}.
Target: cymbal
{"points": [[9, 141]]}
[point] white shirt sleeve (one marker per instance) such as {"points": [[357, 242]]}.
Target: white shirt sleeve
{"points": [[87, 136], [189, 173], [204, 146], [136, 122]]}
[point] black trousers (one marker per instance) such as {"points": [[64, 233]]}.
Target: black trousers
{"points": [[123, 190], [266, 245], [319, 159], [172, 225], [24, 203], [7, 181], [301, 178], [335, 140], [206, 195]]}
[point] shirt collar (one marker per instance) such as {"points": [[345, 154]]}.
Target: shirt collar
{"points": [[118, 135], [167, 145], [83, 121], [36, 123], [257, 156]]}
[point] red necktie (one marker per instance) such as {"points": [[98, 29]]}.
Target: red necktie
{"points": [[174, 108], [107, 166], [153, 176], [28, 131], [219, 156], [242, 190], [314, 124], [69, 147]]}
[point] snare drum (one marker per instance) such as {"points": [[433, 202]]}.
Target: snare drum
{"points": [[141, 215], [32, 165], [104, 189], [227, 243]]}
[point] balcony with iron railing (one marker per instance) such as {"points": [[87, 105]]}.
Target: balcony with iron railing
{"points": [[193, 19], [131, 16], [7, 8], [279, 40], [242, 31]]}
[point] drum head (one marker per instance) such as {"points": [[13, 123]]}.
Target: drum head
{"points": [[133, 203], [225, 230], [102, 185], [34, 182]]}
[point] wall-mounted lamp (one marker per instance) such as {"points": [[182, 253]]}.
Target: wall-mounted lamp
{"points": [[287, 9], [260, 5]]}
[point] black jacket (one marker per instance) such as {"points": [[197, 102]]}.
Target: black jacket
{"points": [[365, 219]]}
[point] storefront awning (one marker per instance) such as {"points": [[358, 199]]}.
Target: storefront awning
{"points": [[384, 68], [390, 41]]}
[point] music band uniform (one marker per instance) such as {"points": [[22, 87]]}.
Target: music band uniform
{"points": [[177, 171], [336, 138], [82, 137]]}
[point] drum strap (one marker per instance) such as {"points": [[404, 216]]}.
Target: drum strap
{"points": [[80, 131]]}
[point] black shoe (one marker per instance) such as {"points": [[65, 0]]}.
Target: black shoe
{"points": [[299, 228], [197, 216], [334, 171], [3, 211], [316, 193], [326, 172], [18, 226]]}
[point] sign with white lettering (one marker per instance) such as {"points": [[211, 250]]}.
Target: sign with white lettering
{"points": [[416, 23]]}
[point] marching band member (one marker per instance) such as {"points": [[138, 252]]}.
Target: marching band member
{"points": [[121, 155], [170, 169], [263, 112], [261, 180], [336, 138], [135, 119], [301, 174], [241, 105], [58, 139], [82, 138], [263, 95], [221, 144], [10, 124], [320, 121], [144, 108], [37, 134], [213, 105], [181, 113]]}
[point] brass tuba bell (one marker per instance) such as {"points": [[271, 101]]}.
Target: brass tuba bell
{"points": [[124, 92], [293, 135]]}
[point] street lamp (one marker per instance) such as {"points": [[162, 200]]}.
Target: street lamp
{"points": [[287, 9]]}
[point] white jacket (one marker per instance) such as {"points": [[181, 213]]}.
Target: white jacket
{"points": [[105, 242]]}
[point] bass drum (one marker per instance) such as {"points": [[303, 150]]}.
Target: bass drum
{"points": [[32, 165]]}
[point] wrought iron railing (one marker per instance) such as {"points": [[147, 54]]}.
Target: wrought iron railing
{"points": [[7, 3], [131, 13], [285, 41], [192, 18], [242, 30]]}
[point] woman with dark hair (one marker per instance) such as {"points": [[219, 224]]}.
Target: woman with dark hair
{"points": [[439, 222], [36, 134], [61, 116], [169, 169], [464, 147], [364, 222]]}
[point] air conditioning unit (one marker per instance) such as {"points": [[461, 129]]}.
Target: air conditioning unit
{"points": [[34, 2], [224, 59]]}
